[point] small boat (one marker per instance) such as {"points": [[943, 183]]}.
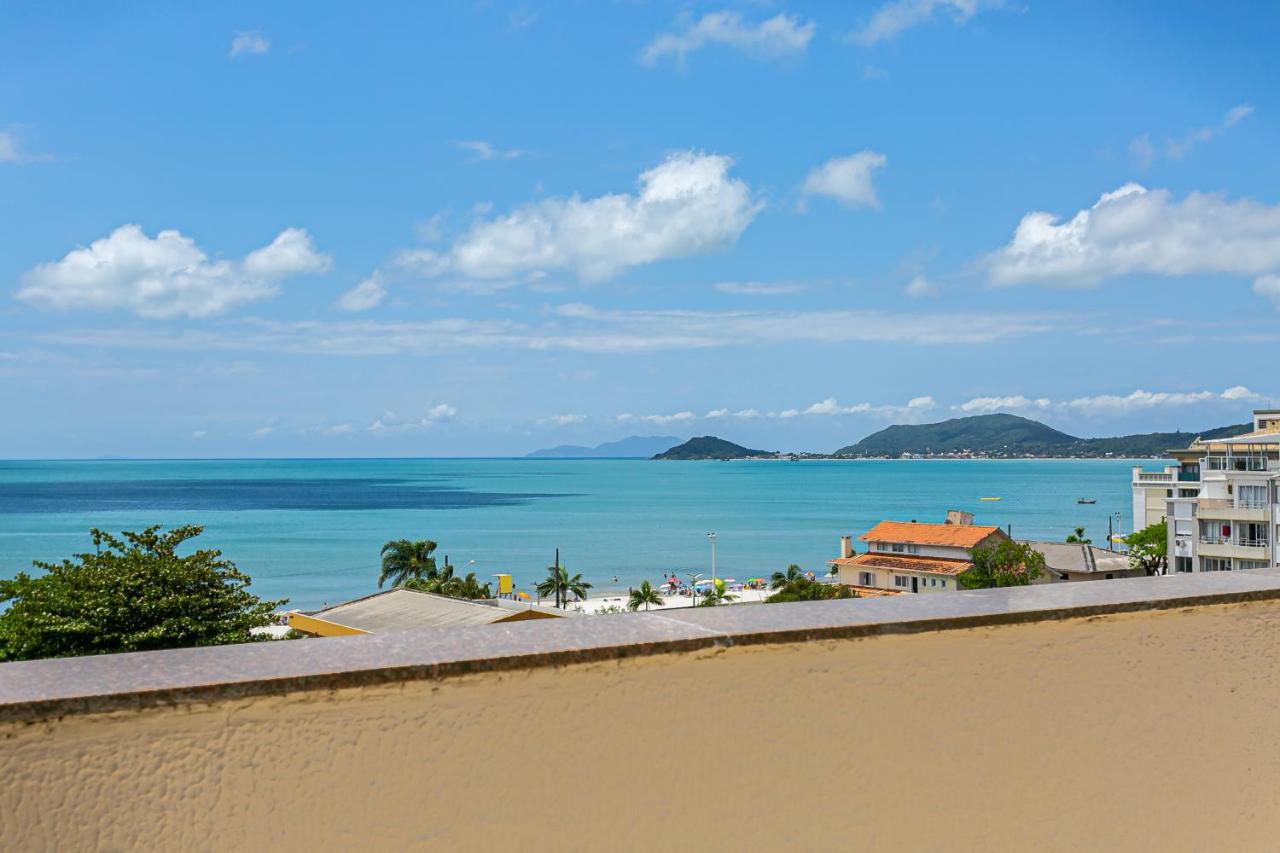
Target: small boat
{"points": [[990, 499], [1087, 501]]}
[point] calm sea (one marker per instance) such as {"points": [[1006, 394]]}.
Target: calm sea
{"points": [[310, 530]]}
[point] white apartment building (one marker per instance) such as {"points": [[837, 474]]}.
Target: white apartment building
{"points": [[1221, 501]]}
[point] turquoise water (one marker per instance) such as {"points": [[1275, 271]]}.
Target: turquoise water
{"points": [[310, 530]]}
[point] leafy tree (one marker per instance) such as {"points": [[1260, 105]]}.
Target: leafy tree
{"points": [[803, 589], [1006, 563], [644, 596], [717, 595], [559, 583], [403, 560], [447, 583], [1149, 548], [781, 579], [1078, 537], [134, 593]]}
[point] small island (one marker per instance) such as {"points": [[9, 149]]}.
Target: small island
{"points": [[710, 447]]}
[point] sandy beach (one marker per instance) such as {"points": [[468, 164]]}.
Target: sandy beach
{"points": [[597, 603]]}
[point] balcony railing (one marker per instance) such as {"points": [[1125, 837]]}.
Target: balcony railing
{"points": [[1252, 543], [1235, 463], [1154, 477], [1214, 539]]}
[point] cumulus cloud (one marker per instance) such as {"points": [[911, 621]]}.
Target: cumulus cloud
{"points": [[365, 295], [848, 180], [1268, 286], [892, 19], [662, 420], [1107, 404], [1135, 231], [390, 422], [481, 150], [990, 405], [779, 37], [565, 420], [686, 205], [251, 43], [168, 276], [829, 406]]}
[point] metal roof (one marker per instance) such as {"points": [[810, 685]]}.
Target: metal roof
{"points": [[402, 609]]}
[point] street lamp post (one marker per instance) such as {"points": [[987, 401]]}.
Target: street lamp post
{"points": [[694, 577], [712, 537]]}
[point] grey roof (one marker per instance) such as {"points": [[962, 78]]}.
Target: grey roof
{"points": [[1076, 558], [402, 609]]}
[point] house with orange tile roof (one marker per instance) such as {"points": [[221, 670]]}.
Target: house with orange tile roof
{"points": [[911, 556]]}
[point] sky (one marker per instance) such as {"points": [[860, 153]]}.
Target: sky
{"points": [[482, 228]]}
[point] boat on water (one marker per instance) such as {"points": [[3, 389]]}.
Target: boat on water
{"points": [[990, 499], [1087, 501]]}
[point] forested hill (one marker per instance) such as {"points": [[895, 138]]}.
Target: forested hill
{"points": [[710, 447], [1011, 435]]}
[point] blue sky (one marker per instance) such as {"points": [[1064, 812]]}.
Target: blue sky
{"points": [[484, 228]]}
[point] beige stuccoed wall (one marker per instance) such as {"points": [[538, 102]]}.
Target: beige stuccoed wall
{"points": [[1150, 731]]}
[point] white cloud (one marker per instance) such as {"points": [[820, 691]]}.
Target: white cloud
{"points": [[1107, 404], [365, 295], [251, 43], [583, 328], [1135, 231], [11, 150], [830, 406], [778, 37], [920, 287], [1176, 149], [686, 205], [390, 422], [990, 405], [266, 429], [565, 420], [1268, 286], [662, 420], [167, 276], [482, 150], [714, 414], [1142, 151], [893, 18], [847, 179], [760, 288]]}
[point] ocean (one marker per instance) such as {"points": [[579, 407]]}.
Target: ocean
{"points": [[310, 530]]}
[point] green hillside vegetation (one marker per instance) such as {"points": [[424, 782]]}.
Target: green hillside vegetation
{"points": [[1011, 435], [710, 447]]}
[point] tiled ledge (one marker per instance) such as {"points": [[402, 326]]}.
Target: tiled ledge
{"points": [[34, 690]]}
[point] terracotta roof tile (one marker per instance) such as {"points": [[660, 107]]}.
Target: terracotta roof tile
{"points": [[905, 563], [954, 535]]}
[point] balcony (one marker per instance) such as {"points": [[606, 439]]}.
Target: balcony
{"points": [[1231, 509], [1188, 477], [677, 730], [1154, 478]]}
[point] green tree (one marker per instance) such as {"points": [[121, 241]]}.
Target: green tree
{"points": [[134, 593], [803, 589], [717, 595], [781, 579], [561, 584], [403, 560], [644, 596], [1078, 537], [1149, 548], [1006, 563]]}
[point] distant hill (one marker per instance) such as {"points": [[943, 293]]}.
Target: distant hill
{"points": [[710, 447], [632, 447], [1010, 435]]}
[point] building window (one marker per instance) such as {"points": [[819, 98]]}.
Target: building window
{"points": [[933, 581], [901, 580], [866, 579], [897, 547], [944, 584], [1215, 564], [1182, 564]]}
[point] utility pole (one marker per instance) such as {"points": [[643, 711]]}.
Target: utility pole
{"points": [[557, 577], [712, 537]]}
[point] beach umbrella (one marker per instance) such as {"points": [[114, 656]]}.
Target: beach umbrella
{"points": [[729, 580]]}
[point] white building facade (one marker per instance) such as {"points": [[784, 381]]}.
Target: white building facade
{"points": [[1221, 502]]}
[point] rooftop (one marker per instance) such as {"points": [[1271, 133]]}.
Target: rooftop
{"points": [[906, 563], [1074, 557], [401, 609], [920, 533]]}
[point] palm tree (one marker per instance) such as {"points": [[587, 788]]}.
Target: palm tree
{"points": [[781, 579], [559, 583], [403, 561], [717, 594], [1078, 537], [645, 595]]}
